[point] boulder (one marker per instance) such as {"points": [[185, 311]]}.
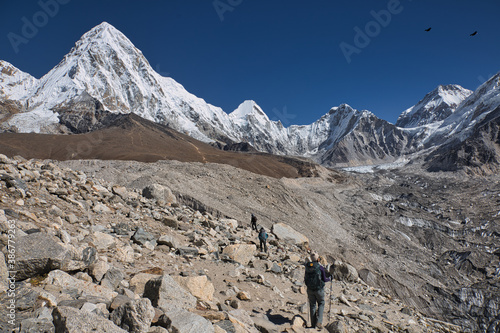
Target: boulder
{"points": [[265, 325], [141, 237], [241, 253], [121, 191], [242, 321], [112, 278], [187, 251], [139, 280], [37, 325], [65, 281], [170, 222], [134, 316], [182, 321], [98, 269], [170, 240], [231, 223], [343, 272], [125, 254], [337, 326], [100, 208], [159, 193], [102, 241], [39, 253], [71, 320], [198, 286], [166, 294], [286, 233]]}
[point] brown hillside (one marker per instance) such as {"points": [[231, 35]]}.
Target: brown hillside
{"points": [[131, 137]]}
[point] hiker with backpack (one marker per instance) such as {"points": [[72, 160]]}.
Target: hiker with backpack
{"points": [[253, 221], [263, 239], [315, 278]]}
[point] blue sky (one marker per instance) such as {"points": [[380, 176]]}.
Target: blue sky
{"points": [[296, 59]]}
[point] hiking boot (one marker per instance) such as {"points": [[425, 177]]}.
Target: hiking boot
{"points": [[319, 327]]}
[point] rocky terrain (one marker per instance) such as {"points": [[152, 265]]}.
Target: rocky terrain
{"points": [[93, 255]]}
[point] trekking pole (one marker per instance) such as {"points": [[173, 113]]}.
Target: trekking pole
{"points": [[330, 307]]}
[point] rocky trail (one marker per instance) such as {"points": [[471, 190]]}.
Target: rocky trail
{"points": [[93, 255]]}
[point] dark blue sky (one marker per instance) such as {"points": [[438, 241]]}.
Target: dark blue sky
{"points": [[296, 59]]}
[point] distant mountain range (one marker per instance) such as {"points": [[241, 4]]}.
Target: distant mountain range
{"points": [[105, 74]]}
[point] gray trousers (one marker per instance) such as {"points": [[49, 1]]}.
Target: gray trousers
{"points": [[316, 305]]}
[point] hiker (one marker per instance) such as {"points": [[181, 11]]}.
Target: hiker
{"points": [[254, 223], [315, 278], [263, 239]]}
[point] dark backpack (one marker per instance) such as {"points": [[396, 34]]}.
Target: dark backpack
{"points": [[313, 277], [262, 235]]}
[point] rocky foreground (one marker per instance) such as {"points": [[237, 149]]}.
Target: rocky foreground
{"points": [[80, 254]]}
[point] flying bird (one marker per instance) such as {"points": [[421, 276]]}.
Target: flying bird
{"points": [[428, 29], [474, 33]]}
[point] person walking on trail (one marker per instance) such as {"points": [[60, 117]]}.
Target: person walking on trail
{"points": [[315, 278], [254, 223], [263, 239]]}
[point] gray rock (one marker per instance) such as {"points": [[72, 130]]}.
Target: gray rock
{"points": [[170, 222], [79, 303], [160, 193], [67, 282], [134, 316], [122, 228], [119, 301], [166, 294], [89, 255], [264, 325], [170, 241], [36, 325], [187, 250], [102, 241], [98, 269], [141, 237], [286, 233], [39, 253], [112, 278], [343, 272], [71, 320], [275, 268], [182, 321], [337, 326], [71, 218], [226, 325]]}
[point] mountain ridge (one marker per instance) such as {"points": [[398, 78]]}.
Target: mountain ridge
{"points": [[104, 71]]}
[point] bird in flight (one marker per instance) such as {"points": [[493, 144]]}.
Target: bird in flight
{"points": [[474, 33], [428, 29]]}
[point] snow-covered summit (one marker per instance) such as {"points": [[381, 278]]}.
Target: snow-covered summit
{"points": [[105, 72], [14, 83], [246, 109], [435, 106]]}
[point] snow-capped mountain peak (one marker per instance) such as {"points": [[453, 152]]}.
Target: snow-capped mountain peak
{"points": [[246, 110], [14, 83], [435, 106]]}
